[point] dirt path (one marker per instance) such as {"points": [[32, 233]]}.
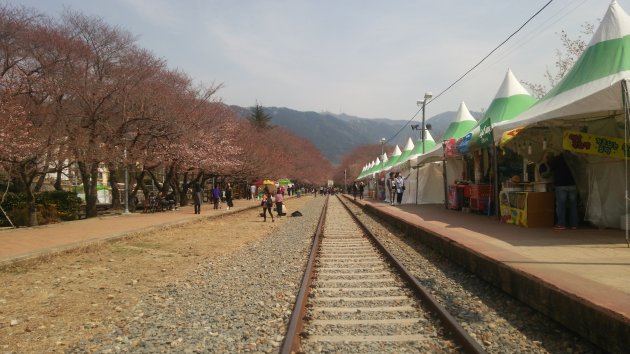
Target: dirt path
{"points": [[55, 302]]}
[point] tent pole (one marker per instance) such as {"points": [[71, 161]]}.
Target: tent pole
{"points": [[624, 91], [445, 177], [495, 176], [417, 181]]}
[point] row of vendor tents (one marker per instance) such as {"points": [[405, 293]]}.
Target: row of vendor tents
{"points": [[585, 114]]}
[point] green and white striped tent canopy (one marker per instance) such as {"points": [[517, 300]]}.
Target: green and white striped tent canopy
{"points": [[462, 124], [429, 143], [592, 88], [404, 157], [391, 162], [511, 100]]}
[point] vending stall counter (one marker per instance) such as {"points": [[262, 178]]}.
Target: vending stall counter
{"points": [[527, 208]]}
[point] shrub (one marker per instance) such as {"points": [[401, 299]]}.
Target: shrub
{"points": [[14, 204], [61, 204]]}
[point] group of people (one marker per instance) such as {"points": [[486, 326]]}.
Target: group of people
{"points": [[396, 183], [267, 203], [215, 195]]}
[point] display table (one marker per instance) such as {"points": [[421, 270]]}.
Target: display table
{"points": [[528, 209], [480, 195]]}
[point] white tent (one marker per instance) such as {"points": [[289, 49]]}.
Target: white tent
{"points": [[588, 101], [429, 178]]}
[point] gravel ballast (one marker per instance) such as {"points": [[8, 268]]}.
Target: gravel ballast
{"points": [[237, 303]]}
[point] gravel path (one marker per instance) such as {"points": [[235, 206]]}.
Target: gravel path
{"points": [[498, 322], [237, 303]]}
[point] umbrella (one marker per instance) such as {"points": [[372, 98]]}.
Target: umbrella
{"points": [[284, 181], [268, 181]]}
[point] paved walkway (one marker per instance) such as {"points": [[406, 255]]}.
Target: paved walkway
{"points": [[24, 243]]}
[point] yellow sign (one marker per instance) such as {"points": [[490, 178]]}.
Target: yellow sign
{"points": [[509, 135], [597, 145]]}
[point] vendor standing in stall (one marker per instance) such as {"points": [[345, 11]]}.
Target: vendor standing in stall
{"points": [[565, 190]]}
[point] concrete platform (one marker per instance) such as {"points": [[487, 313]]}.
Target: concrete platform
{"points": [[581, 278]]}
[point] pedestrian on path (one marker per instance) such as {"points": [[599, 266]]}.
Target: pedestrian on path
{"points": [[355, 190], [197, 197], [391, 182], [252, 191], [267, 204], [400, 187], [279, 201], [361, 188], [216, 196], [228, 197]]}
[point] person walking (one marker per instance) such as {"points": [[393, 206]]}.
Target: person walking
{"points": [[228, 197], [566, 192], [400, 187], [361, 189], [267, 204], [197, 197], [391, 182], [252, 191], [216, 196], [355, 190], [279, 201]]}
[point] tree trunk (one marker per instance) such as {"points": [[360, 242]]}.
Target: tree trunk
{"points": [[30, 197], [90, 179], [57, 184], [183, 200], [40, 183], [113, 182]]}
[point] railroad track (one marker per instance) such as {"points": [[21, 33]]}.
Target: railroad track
{"points": [[355, 298]]}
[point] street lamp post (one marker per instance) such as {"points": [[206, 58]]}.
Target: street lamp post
{"points": [[423, 103], [427, 97]]}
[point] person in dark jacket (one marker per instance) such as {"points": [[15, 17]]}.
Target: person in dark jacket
{"points": [[566, 192], [216, 196], [267, 204], [228, 197], [197, 197]]}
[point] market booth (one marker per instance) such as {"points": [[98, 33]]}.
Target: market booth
{"points": [[484, 165], [451, 165], [425, 181], [584, 116]]}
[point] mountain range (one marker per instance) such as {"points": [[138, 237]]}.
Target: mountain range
{"points": [[337, 134]]}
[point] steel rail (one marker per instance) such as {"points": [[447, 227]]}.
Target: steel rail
{"points": [[469, 344], [291, 342]]}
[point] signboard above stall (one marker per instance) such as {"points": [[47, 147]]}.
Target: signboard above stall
{"points": [[592, 144]]}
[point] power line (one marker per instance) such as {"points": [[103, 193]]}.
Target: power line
{"points": [[471, 69]]}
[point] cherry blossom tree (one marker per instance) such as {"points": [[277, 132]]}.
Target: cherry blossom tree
{"points": [[571, 49]]}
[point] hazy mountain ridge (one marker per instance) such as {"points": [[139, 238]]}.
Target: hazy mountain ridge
{"points": [[337, 134]]}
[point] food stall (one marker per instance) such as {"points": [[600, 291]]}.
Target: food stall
{"points": [[527, 204]]}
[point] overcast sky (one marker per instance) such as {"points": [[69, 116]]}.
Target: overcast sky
{"points": [[370, 59]]}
